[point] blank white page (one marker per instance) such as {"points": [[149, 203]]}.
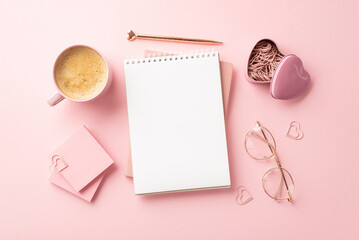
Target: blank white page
{"points": [[176, 120]]}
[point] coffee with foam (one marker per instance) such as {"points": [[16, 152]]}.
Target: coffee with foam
{"points": [[81, 73]]}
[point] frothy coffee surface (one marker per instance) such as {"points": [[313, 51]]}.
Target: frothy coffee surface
{"points": [[81, 73]]}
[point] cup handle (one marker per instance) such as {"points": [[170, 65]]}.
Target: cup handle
{"points": [[55, 99]]}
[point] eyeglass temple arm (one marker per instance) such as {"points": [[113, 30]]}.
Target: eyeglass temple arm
{"points": [[278, 163]]}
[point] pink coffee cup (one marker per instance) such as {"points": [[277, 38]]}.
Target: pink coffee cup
{"points": [[59, 95]]}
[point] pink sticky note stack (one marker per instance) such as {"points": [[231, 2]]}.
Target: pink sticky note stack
{"points": [[79, 165]]}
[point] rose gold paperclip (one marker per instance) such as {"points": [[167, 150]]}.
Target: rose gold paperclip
{"points": [[132, 36]]}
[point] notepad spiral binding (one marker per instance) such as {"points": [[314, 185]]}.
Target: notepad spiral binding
{"points": [[160, 57]]}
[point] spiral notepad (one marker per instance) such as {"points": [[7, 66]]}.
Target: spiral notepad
{"points": [[176, 122]]}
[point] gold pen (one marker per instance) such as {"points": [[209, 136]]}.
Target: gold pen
{"points": [[132, 36]]}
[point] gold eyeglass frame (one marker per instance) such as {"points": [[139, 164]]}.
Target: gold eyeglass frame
{"points": [[275, 155]]}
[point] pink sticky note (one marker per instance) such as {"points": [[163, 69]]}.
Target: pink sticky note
{"points": [[87, 193], [86, 163], [226, 78]]}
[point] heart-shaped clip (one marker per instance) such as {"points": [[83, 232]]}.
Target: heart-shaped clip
{"points": [[244, 196], [294, 131], [58, 163]]}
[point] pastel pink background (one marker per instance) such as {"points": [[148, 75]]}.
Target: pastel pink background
{"points": [[324, 164]]}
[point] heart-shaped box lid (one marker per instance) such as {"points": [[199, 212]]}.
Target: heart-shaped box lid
{"points": [[290, 78]]}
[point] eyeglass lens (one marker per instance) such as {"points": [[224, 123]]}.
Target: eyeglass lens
{"points": [[257, 144], [274, 185]]}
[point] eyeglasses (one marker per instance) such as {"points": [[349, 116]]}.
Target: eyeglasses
{"points": [[277, 182]]}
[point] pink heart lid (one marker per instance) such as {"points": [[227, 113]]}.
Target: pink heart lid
{"points": [[290, 78]]}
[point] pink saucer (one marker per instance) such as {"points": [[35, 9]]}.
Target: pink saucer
{"points": [[290, 79]]}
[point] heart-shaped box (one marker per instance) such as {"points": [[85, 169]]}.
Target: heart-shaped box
{"points": [[289, 80]]}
